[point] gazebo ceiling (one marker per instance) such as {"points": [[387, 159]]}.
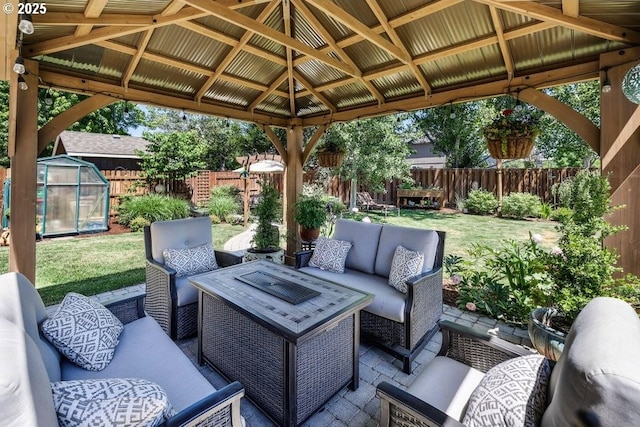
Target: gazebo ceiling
{"points": [[314, 61]]}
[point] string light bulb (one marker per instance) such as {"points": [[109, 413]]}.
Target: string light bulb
{"points": [[606, 86], [26, 24], [184, 116], [18, 66], [48, 99], [452, 114], [22, 84]]}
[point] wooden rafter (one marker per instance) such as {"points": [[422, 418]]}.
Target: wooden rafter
{"points": [[235, 51], [94, 9], [571, 8], [331, 9], [133, 63], [391, 32], [504, 48], [247, 23], [551, 14], [271, 89], [173, 8], [328, 38], [286, 15], [314, 92]]}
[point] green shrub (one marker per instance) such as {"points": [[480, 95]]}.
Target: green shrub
{"points": [[152, 207], [225, 190], [481, 202], [138, 223], [233, 219], [545, 211], [221, 206], [521, 205], [561, 214], [215, 219]]}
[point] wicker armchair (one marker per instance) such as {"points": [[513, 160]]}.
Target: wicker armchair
{"points": [[172, 301], [595, 382], [465, 345]]}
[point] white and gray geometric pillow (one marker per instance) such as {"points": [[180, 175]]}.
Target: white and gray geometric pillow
{"points": [[512, 393], [330, 254], [191, 261], [84, 331], [405, 264], [110, 402]]}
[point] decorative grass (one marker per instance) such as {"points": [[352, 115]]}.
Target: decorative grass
{"points": [[94, 264]]}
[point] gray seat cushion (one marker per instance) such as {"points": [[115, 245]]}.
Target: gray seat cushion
{"points": [[446, 384], [388, 302], [599, 368], [185, 291], [21, 304], [364, 237], [25, 390], [414, 239], [164, 364]]}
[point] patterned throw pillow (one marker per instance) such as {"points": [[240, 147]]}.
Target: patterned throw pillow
{"points": [[330, 254], [405, 264], [84, 331], [513, 393], [110, 402], [191, 261]]}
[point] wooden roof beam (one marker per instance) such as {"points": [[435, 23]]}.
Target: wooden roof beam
{"points": [[238, 19], [235, 51], [93, 9], [314, 92], [391, 32], [286, 16], [322, 31], [131, 67], [334, 11], [551, 14], [106, 33], [271, 89], [571, 8], [172, 8], [504, 47]]}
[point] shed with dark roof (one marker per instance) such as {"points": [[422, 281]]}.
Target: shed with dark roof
{"points": [[107, 152]]}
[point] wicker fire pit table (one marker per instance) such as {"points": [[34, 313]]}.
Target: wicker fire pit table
{"points": [[291, 339]]}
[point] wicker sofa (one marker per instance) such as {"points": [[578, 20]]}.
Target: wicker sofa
{"points": [[29, 364], [171, 299], [596, 381], [399, 323]]}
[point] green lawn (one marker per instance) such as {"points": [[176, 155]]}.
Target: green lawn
{"points": [[464, 230], [91, 265]]}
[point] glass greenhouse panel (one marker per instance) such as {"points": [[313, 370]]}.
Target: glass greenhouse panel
{"points": [[60, 209]]}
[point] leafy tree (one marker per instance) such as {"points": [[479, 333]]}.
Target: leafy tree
{"points": [[454, 131], [376, 151], [175, 155]]}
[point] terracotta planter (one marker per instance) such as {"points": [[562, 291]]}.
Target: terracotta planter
{"points": [[515, 148], [309, 234], [330, 159], [547, 341]]}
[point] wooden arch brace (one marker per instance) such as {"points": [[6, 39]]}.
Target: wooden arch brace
{"points": [[51, 130], [565, 114]]}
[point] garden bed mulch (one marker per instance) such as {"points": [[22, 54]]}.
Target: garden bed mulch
{"points": [[449, 293]]}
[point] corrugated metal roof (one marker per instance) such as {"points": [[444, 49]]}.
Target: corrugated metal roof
{"points": [[452, 27]]}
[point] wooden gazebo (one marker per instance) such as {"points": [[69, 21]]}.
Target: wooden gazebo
{"points": [[302, 63]]}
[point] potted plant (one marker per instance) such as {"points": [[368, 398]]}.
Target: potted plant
{"points": [[266, 240], [310, 211], [331, 152], [511, 135]]}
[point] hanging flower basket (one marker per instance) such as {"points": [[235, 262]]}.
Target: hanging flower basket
{"points": [[511, 147], [329, 159], [511, 135]]}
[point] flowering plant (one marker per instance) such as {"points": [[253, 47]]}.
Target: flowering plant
{"points": [[512, 123]]}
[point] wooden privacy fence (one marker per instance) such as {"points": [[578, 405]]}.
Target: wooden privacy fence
{"points": [[454, 183], [458, 182]]}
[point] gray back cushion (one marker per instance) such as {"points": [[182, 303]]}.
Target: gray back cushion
{"points": [[179, 234], [364, 237], [25, 390], [21, 304], [414, 239], [599, 369]]}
